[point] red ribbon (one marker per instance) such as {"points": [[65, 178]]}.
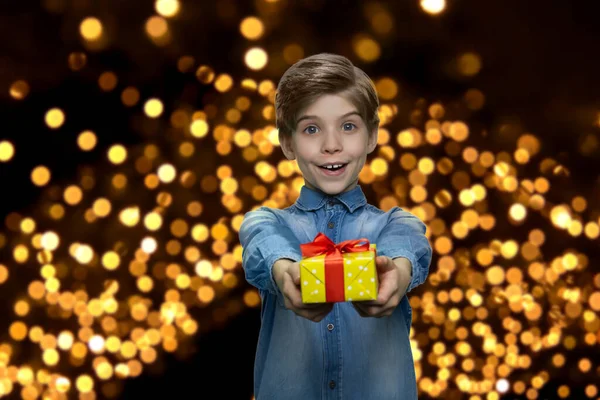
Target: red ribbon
{"points": [[334, 261]]}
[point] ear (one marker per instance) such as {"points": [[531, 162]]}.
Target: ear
{"points": [[372, 141], [285, 142]]}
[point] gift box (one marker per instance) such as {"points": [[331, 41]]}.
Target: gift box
{"points": [[341, 272]]}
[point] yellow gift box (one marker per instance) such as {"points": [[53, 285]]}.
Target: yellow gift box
{"points": [[336, 273]]}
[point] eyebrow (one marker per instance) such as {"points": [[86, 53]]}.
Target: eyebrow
{"points": [[316, 117]]}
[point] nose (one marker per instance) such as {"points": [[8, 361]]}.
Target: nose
{"points": [[332, 142]]}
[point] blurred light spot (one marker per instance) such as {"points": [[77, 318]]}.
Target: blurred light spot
{"points": [[185, 63], [130, 96], [382, 22], [251, 298], [167, 173], [474, 99], [206, 294], [72, 195], [386, 88], [167, 8], [87, 140], [156, 27], [560, 217], [7, 151], [117, 154], [366, 48], [40, 176], [84, 383], [459, 131], [223, 83], [153, 108], [19, 90], [469, 64], [518, 212], [149, 245], [256, 58], [77, 61], [50, 241], [17, 330], [3, 274], [205, 74], [437, 111], [91, 28], [199, 128], [433, 6], [252, 28], [55, 117], [107, 81], [102, 207], [579, 204], [292, 53]]}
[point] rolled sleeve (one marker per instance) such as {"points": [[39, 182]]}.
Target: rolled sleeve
{"points": [[404, 236], [265, 239]]}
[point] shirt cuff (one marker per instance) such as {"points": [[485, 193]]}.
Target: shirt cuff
{"points": [[272, 252], [419, 271]]}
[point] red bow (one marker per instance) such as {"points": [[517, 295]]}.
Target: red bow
{"points": [[334, 266]]}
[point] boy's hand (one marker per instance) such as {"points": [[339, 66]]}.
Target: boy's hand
{"points": [[394, 278], [287, 276]]}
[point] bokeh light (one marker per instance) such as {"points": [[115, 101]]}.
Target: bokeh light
{"points": [[167, 8], [7, 150], [91, 28], [252, 28], [134, 250], [256, 58], [433, 6]]}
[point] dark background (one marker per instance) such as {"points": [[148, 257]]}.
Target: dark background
{"points": [[540, 73]]}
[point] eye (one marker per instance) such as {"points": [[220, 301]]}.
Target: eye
{"points": [[311, 129], [349, 126]]}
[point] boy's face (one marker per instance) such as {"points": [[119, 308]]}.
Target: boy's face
{"points": [[330, 132]]}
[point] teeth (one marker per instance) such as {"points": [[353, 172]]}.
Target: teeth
{"points": [[333, 166]]}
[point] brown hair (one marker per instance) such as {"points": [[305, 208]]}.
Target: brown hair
{"points": [[320, 74]]}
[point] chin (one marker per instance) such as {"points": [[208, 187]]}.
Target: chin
{"points": [[332, 190]]}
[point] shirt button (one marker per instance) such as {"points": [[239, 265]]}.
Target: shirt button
{"points": [[330, 225], [332, 384], [331, 202], [329, 327]]}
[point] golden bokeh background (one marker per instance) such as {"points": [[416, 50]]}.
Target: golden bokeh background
{"points": [[136, 135]]}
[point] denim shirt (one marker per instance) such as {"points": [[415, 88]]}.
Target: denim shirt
{"points": [[344, 356]]}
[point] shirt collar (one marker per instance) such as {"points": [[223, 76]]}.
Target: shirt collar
{"points": [[310, 200]]}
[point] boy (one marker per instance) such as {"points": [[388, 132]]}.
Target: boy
{"points": [[326, 111]]}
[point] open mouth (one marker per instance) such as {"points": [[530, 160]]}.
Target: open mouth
{"points": [[333, 169]]}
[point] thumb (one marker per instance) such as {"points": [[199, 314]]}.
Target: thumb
{"points": [[384, 263], [296, 279], [295, 273]]}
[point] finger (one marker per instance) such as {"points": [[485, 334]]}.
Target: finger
{"points": [[384, 295], [294, 295], [294, 271], [321, 308], [291, 292], [360, 309], [319, 316], [387, 287], [384, 263], [383, 310], [313, 315], [312, 306], [296, 279], [314, 309]]}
